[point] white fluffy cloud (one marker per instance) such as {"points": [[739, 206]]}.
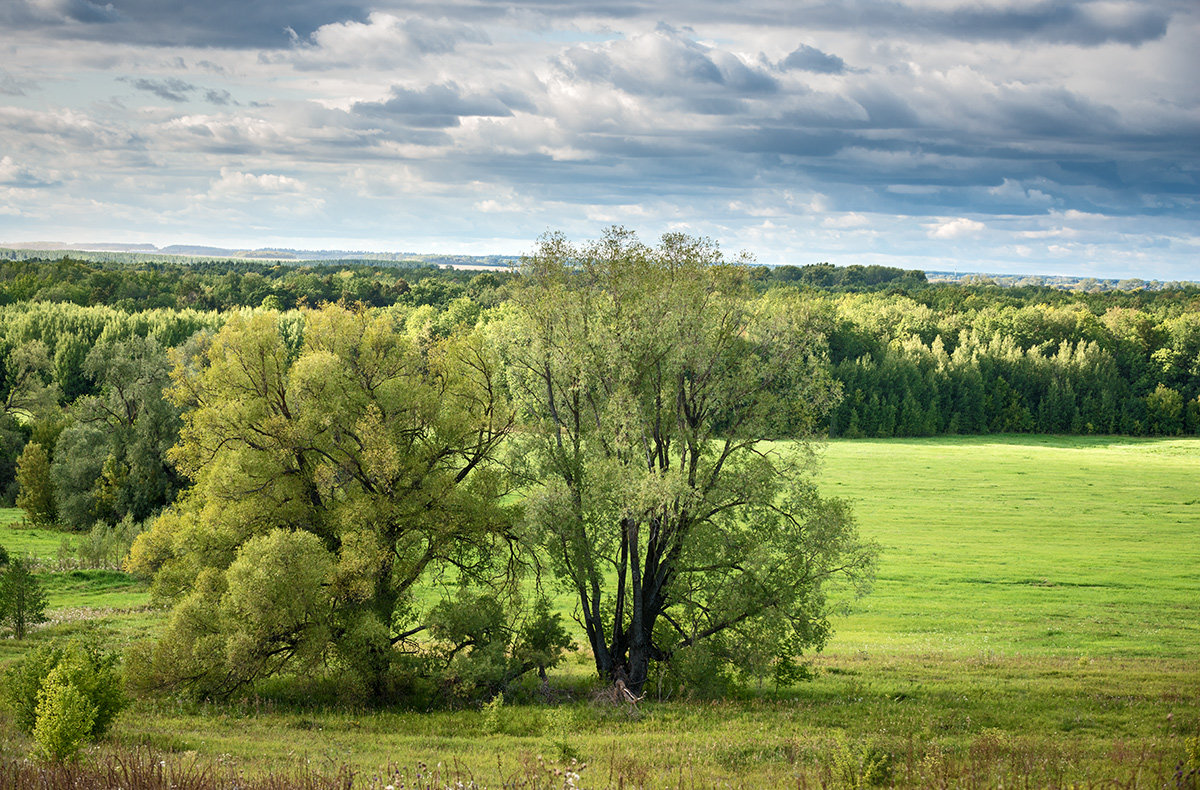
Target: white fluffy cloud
{"points": [[957, 228]]}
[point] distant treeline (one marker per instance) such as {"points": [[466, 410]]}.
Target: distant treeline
{"points": [[85, 355], [827, 277], [940, 363], [231, 284]]}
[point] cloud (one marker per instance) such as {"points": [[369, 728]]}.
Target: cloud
{"points": [[667, 63], [469, 120], [11, 86], [170, 89], [235, 182], [806, 58], [74, 11], [850, 219], [17, 175], [383, 40], [957, 228], [265, 24], [218, 97], [436, 106]]}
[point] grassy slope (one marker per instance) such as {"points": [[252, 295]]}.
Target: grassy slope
{"points": [[79, 599], [1035, 616]]}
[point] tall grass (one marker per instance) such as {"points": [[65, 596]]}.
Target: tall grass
{"points": [[993, 761]]}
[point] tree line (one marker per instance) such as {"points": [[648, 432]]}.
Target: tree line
{"points": [[225, 285], [1078, 366], [909, 360]]}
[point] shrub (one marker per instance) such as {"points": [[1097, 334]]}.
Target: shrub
{"points": [[34, 688], [22, 600], [64, 717], [107, 546]]}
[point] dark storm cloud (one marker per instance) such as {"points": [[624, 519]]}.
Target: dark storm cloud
{"points": [[1076, 23], [79, 11], [278, 23], [806, 58], [219, 23]]}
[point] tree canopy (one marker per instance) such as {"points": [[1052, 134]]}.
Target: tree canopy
{"points": [[367, 434], [646, 381]]}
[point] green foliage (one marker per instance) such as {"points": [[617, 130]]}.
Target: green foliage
{"points": [[107, 545], [646, 379], [493, 711], [910, 368], [130, 282], [375, 445], [270, 606], [22, 600], [36, 495], [860, 765], [1187, 774], [482, 648], [64, 717], [25, 389], [111, 461], [68, 682], [1164, 409]]}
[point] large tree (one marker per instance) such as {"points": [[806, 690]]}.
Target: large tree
{"points": [[647, 380], [36, 495], [370, 442], [110, 462]]}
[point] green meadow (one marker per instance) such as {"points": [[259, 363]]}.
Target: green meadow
{"points": [[1031, 546], [1035, 621]]}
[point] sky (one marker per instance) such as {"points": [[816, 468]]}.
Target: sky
{"points": [[1004, 136]]}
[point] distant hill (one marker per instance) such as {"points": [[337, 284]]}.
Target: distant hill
{"points": [[181, 252], [184, 253]]}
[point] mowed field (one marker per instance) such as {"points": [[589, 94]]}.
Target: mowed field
{"points": [[1035, 621]]}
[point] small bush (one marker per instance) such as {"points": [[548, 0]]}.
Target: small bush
{"points": [[34, 688], [699, 672], [3, 557], [1187, 773], [22, 600], [493, 715], [860, 765], [64, 717]]}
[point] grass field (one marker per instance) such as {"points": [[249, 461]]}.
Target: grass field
{"points": [[1026, 545], [1035, 622]]}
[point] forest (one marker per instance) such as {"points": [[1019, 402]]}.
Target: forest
{"points": [[911, 358]]}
